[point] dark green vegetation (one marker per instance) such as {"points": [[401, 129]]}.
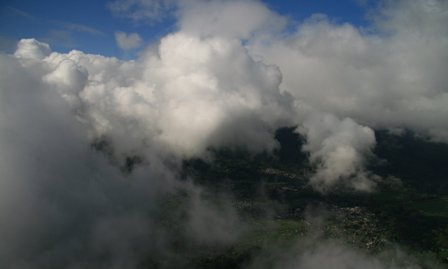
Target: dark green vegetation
{"points": [[419, 163], [277, 210], [409, 207]]}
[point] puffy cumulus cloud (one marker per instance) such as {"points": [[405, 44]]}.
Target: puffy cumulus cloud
{"points": [[32, 49], [201, 87], [68, 79], [128, 41], [169, 104], [390, 76], [64, 204], [190, 94], [216, 96], [59, 199], [338, 149], [231, 19]]}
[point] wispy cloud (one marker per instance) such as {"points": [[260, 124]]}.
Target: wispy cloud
{"points": [[63, 33], [80, 28], [59, 25], [19, 13], [142, 10]]}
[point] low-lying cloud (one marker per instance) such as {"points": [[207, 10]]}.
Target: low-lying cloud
{"points": [[329, 254], [338, 148]]}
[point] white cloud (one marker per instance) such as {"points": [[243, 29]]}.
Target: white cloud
{"points": [[338, 149], [230, 19], [210, 91], [203, 84], [381, 79], [128, 41], [32, 49], [60, 199]]}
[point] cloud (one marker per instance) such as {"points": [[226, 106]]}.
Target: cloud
{"points": [[338, 148], [203, 83], [71, 201], [128, 41], [216, 96], [230, 19], [142, 10], [207, 85], [318, 249], [82, 28], [18, 12], [229, 77], [332, 254], [32, 49], [388, 77], [210, 224]]}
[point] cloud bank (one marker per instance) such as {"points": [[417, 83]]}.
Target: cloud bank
{"points": [[224, 79], [388, 76]]}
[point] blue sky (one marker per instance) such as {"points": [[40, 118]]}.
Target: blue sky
{"points": [[90, 26]]}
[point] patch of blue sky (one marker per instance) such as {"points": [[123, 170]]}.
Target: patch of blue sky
{"points": [[90, 26]]}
